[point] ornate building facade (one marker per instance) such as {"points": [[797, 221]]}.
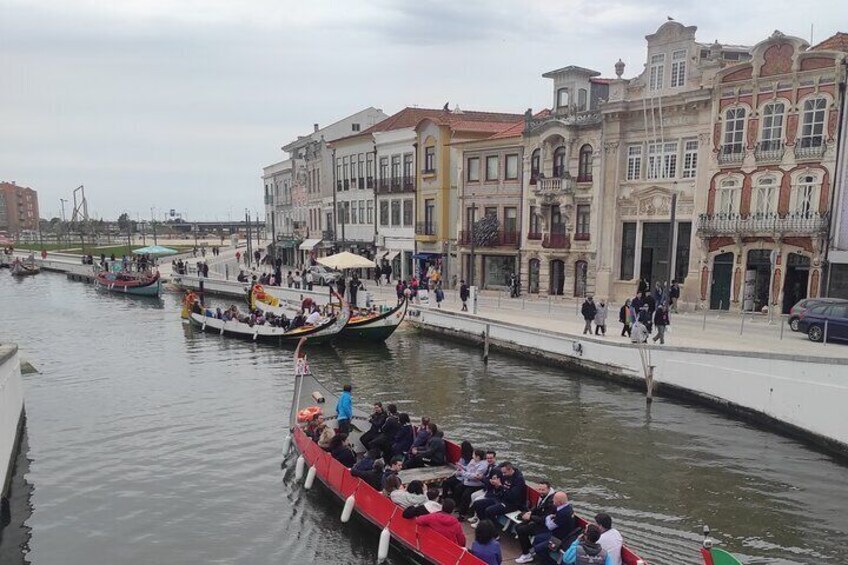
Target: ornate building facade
{"points": [[764, 230]]}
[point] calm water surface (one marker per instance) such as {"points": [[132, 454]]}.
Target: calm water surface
{"points": [[152, 444]]}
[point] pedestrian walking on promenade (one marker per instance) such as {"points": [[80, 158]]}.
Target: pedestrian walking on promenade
{"points": [[661, 321], [625, 316], [238, 257], [673, 296], [440, 294], [601, 318], [463, 295], [588, 311]]}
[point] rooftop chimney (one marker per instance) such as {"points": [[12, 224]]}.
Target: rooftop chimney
{"points": [[315, 127]]}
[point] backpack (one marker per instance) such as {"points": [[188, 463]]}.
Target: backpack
{"points": [[583, 558]]}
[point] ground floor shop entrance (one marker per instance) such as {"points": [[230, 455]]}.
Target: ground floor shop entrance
{"points": [[722, 278]]}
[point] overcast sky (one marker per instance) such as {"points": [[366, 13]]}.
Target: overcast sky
{"points": [[180, 103]]}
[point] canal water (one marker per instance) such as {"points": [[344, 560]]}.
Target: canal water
{"points": [[150, 443]]}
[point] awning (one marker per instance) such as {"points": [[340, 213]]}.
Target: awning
{"points": [[286, 243], [309, 244], [391, 255], [425, 256]]}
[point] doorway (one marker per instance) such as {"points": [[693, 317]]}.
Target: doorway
{"points": [[796, 281], [557, 277], [757, 277], [580, 277], [722, 274], [533, 281], [655, 264]]}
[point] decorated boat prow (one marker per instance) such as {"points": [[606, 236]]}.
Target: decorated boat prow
{"points": [[714, 555], [123, 282]]}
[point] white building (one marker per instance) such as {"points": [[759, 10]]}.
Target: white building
{"points": [[279, 213]]}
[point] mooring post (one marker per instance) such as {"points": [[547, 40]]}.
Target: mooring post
{"points": [[782, 323], [649, 383], [486, 345], [742, 323], [704, 326], [201, 292], [549, 303], [824, 339]]}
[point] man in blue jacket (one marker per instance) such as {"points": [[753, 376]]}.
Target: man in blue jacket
{"points": [[508, 494], [344, 410], [559, 524]]}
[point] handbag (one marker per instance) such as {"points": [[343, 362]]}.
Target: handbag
{"points": [[554, 543]]}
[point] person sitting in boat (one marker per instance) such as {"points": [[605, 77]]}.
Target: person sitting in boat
{"points": [[560, 524], [444, 522], [218, 314], [386, 437], [404, 436], [430, 507], [367, 461], [586, 549], [452, 487], [409, 495], [377, 419], [610, 538], [507, 495], [341, 451], [395, 467], [373, 475], [433, 454], [196, 308], [322, 433], [422, 434], [533, 521], [314, 317], [469, 496], [391, 484], [486, 547]]}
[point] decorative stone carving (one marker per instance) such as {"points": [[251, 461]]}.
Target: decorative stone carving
{"points": [[654, 205], [611, 147], [777, 60]]}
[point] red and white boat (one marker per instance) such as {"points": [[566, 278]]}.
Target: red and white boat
{"points": [[123, 282], [424, 544]]}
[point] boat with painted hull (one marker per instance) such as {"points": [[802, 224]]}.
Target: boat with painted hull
{"points": [[421, 543], [135, 284], [364, 326], [21, 269], [319, 333]]}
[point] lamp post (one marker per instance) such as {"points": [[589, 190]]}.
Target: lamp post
{"points": [[471, 269], [62, 201]]}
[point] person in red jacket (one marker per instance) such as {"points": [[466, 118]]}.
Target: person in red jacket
{"points": [[444, 522]]}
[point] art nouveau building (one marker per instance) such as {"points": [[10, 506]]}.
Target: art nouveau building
{"points": [[772, 163]]}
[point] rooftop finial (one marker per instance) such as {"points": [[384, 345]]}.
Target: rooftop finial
{"points": [[619, 68]]}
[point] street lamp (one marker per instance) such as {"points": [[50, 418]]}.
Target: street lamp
{"points": [[62, 201]]}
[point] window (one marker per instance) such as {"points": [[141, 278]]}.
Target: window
{"points": [[812, 130], [734, 130], [407, 213], [369, 169], [473, 169], [490, 212], [535, 165], [765, 197], [562, 98], [535, 227], [582, 229], [657, 71], [362, 211], [510, 224], [584, 169], [429, 159], [353, 214], [806, 194], [396, 213], [678, 68], [634, 162], [728, 197], [582, 98], [492, 167], [384, 213], [343, 209], [407, 166], [662, 160], [354, 127], [681, 263], [511, 172], [430, 216], [628, 250], [395, 167], [690, 158], [384, 167], [370, 217], [338, 175], [559, 162], [772, 134]]}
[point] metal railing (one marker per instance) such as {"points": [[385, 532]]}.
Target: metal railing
{"points": [[391, 185], [729, 224], [731, 154], [499, 239], [534, 235], [556, 240], [425, 228], [810, 149], [769, 151]]}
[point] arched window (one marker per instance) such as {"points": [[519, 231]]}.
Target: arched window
{"points": [[765, 197], [812, 123], [728, 197], [584, 170], [734, 131], [533, 274], [581, 269], [805, 196], [771, 138], [535, 165], [559, 162]]}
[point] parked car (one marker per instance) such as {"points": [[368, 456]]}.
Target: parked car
{"points": [[795, 311], [825, 322], [324, 276]]}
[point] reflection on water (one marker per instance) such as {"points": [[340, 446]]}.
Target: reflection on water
{"points": [[150, 443]]}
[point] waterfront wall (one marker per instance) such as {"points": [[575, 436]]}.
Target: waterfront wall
{"points": [[11, 411], [799, 395]]}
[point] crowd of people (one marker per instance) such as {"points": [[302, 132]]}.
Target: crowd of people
{"points": [[128, 263], [482, 491], [641, 316], [310, 314]]}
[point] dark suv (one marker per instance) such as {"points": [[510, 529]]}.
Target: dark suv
{"points": [[825, 321], [802, 305]]}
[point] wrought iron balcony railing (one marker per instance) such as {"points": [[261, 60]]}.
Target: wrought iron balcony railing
{"points": [[731, 224]]}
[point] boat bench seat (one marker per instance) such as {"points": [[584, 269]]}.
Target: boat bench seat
{"points": [[427, 475]]}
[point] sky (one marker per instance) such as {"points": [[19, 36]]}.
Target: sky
{"points": [[155, 105]]}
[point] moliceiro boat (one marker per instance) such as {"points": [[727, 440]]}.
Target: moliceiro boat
{"points": [[124, 282], [365, 325], [422, 543], [21, 269], [206, 319]]}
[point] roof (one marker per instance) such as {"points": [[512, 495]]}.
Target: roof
{"points": [[514, 130], [572, 69], [836, 42], [459, 120]]}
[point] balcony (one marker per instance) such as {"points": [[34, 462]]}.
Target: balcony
{"points": [[328, 235], [425, 228], [339, 185], [812, 148], [769, 151], [396, 185], [554, 186], [584, 178], [734, 224], [581, 237], [346, 184], [369, 182], [500, 239], [534, 235], [731, 154], [556, 240]]}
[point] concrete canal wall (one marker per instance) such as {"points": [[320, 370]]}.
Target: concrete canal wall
{"points": [[11, 413], [799, 395]]}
